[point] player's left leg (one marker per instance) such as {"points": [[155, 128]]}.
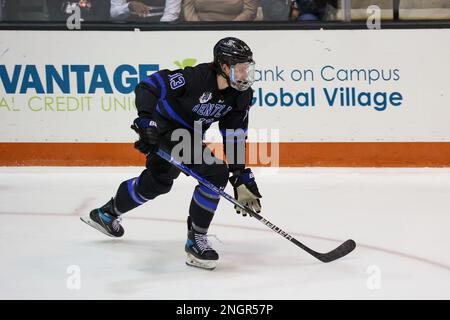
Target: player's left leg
{"points": [[201, 212]]}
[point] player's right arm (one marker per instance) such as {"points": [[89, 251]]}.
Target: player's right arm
{"points": [[147, 96], [149, 93]]}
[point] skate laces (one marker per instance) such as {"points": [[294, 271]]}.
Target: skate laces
{"points": [[116, 223], [202, 242]]}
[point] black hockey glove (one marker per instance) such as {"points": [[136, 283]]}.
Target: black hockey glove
{"points": [[148, 135], [246, 191]]}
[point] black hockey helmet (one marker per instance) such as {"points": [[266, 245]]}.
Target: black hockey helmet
{"points": [[238, 56], [231, 51]]}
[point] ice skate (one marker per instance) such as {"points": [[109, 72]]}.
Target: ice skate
{"points": [[104, 220], [199, 251]]}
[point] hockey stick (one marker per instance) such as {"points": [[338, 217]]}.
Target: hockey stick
{"points": [[344, 249]]}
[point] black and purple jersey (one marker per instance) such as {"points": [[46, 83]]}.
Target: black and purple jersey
{"points": [[187, 96]]}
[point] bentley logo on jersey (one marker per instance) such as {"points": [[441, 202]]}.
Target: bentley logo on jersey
{"points": [[205, 97], [215, 110]]}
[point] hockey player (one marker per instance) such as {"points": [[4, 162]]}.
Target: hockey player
{"points": [[172, 100]]}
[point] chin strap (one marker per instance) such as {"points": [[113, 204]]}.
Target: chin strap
{"points": [[220, 72], [226, 78]]}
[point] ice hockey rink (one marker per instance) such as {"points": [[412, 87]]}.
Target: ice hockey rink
{"points": [[399, 219]]}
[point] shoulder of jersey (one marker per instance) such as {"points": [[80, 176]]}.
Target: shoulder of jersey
{"points": [[199, 72]]}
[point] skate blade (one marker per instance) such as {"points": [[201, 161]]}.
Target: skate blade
{"points": [[203, 264], [95, 225]]}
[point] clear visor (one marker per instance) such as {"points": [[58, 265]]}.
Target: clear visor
{"points": [[242, 75]]}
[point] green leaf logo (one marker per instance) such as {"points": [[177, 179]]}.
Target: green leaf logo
{"points": [[189, 62]]}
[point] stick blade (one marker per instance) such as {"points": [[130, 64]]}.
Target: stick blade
{"points": [[341, 251]]}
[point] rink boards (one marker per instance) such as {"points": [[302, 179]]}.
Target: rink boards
{"points": [[322, 98]]}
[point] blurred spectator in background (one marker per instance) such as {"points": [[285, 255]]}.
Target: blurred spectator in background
{"points": [[276, 10], [146, 10], [220, 10], [91, 10], [313, 10]]}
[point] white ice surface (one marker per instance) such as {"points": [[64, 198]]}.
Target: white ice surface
{"points": [[400, 219]]}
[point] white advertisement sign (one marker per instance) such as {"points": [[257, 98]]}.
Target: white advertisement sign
{"points": [[312, 86]]}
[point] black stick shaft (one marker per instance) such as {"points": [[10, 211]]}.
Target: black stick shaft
{"points": [[337, 253]]}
